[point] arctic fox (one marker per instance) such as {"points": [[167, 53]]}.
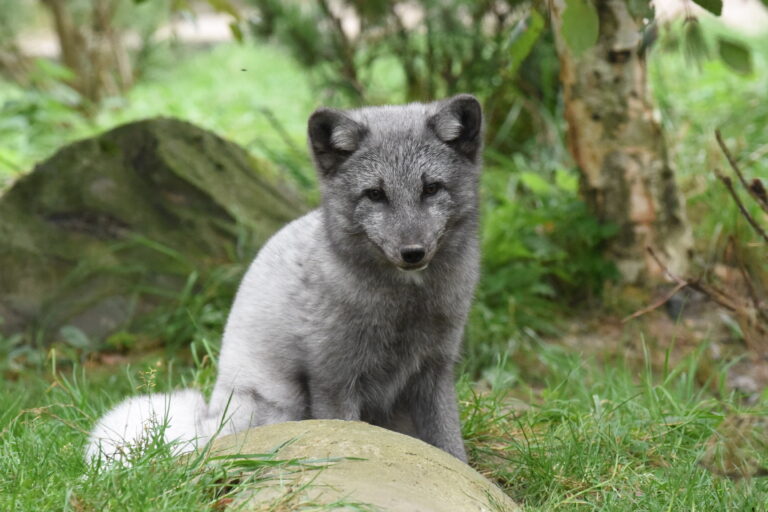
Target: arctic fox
{"points": [[355, 311]]}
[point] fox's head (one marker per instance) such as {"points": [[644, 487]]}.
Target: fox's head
{"points": [[396, 180]]}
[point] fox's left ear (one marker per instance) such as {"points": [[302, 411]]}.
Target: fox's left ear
{"points": [[333, 137], [459, 123]]}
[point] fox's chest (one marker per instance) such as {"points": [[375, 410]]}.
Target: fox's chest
{"points": [[375, 346], [394, 324], [378, 368]]}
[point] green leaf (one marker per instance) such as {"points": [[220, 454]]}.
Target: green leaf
{"points": [[735, 55], [48, 69], [713, 6], [535, 183], [566, 180], [581, 25]]}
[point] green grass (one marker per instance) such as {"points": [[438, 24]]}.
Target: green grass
{"points": [[43, 467], [592, 437], [602, 437]]}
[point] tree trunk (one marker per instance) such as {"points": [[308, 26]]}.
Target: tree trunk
{"points": [[92, 48], [627, 177]]}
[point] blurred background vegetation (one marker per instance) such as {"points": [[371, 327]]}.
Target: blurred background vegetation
{"points": [[253, 70]]}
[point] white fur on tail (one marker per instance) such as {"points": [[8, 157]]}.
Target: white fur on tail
{"points": [[135, 422]]}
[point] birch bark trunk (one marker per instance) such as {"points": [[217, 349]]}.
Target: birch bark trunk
{"points": [[626, 174]]}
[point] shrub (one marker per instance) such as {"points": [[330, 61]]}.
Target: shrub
{"points": [[541, 254]]}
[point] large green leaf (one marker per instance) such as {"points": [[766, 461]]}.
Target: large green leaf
{"points": [[735, 55], [581, 25], [713, 6]]}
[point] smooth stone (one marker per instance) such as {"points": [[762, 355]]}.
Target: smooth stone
{"points": [[376, 467]]}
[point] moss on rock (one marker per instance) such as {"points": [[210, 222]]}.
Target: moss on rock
{"points": [[138, 207]]}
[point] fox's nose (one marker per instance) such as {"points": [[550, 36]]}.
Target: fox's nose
{"points": [[412, 253]]}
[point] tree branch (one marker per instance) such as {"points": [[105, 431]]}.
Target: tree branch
{"points": [[753, 189], [752, 222]]}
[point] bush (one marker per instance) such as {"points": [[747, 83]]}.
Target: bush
{"points": [[541, 254]]}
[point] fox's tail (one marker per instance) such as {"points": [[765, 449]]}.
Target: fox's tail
{"points": [[179, 418]]}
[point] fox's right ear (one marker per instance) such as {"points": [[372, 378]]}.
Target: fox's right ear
{"points": [[333, 137], [459, 123]]}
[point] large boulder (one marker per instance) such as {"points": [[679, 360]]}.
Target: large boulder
{"points": [[88, 232], [334, 462]]}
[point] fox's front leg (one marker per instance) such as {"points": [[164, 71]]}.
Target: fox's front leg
{"points": [[240, 408], [333, 402], [434, 409]]}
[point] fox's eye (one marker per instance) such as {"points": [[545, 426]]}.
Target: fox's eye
{"points": [[375, 194], [431, 189]]}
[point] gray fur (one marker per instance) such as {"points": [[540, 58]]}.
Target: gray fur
{"points": [[330, 321]]}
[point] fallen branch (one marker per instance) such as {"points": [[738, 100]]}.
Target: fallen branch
{"points": [[681, 283], [657, 304], [746, 312]]}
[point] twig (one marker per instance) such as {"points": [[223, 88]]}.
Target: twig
{"points": [[761, 201], [748, 283], [713, 293], [723, 298], [729, 185], [663, 267], [720, 297], [681, 283], [655, 305]]}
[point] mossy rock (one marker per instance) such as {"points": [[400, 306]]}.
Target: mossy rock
{"points": [[357, 466], [89, 231]]}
